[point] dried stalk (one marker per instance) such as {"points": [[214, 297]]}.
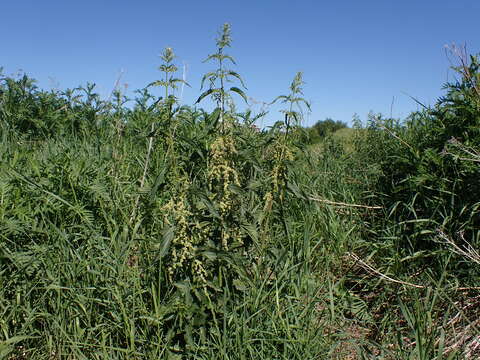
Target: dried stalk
{"points": [[381, 275], [329, 202], [467, 251], [144, 176]]}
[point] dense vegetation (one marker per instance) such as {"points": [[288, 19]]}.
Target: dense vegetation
{"points": [[322, 129], [143, 229]]}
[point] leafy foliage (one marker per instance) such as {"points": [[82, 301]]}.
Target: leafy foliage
{"points": [[322, 128], [428, 175], [165, 231]]}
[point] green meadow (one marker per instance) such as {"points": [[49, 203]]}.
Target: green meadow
{"points": [[146, 229]]}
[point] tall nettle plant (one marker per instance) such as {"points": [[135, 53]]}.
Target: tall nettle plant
{"points": [[222, 75], [222, 171], [280, 153], [169, 84], [199, 217]]}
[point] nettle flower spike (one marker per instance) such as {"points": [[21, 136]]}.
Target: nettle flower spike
{"points": [[225, 38], [222, 75], [169, 82]]}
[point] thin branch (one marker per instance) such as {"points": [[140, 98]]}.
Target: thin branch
{"points": [[467, 251], [381, 275], [396, 136], [329, 202], [144, 176]]}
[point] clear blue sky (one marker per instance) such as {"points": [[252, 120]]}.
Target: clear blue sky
{"points": [[356, 55]]}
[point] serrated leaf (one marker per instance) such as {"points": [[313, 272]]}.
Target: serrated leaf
{"points": [[157, 83], [239, 92], [205, 94], [181, 81], [228, 57], [281, 97], [212, 56], [210, 75], [236, 75]]}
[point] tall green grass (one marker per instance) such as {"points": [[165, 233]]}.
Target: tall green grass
{"points": [[165, 231]]}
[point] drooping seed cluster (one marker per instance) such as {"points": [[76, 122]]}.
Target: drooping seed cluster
{"points": [[279, 154], [222, 174], [189, 235]]}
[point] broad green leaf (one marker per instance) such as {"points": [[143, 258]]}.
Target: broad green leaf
{"points": [[205, 94], [239, 92]]}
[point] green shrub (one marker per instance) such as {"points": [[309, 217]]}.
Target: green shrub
{"points": [[322, 129], [427, 171]]}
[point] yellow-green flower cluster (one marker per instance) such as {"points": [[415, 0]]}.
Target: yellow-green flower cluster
{"points": [[189, 235], [222, 174], [221, 169], [279, 154]]}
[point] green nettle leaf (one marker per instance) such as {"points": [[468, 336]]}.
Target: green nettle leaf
{"points": [[205, 94], [228, 57], [212, 75], [283, 98], [220, 57], [158, 83], [239, 92], [175, 81], [236, 75]]}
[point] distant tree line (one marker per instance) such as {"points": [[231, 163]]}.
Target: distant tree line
{"points": [[322, 129]]}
